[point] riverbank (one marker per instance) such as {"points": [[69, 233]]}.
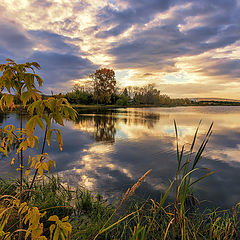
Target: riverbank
{"points": [[93, 217], [101, 106], [80, 107]]}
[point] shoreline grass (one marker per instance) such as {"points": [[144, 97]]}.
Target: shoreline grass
{"points": [[114, 106], [92, 217]]}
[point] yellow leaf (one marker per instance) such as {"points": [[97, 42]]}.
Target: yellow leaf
{"points": [[59, 138], [29, 159], [25, 97], [27, 172], [45, 166], [40, 170], [38, 165], [65, 219], [52, 227], [50, 163], [12, 161], [31, 124], [49, 134], [23, 145], [36, 141], [40, 123], [33, 162], [42, 238], [56, 234], [53, 218], [22, 206], [24, 209]]}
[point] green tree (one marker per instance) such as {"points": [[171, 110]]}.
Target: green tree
{"points": [[125, 92], [81, 94], [19, 81], [104, 83]]}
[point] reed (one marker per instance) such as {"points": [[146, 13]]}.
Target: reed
{"points": [[93, 217]]}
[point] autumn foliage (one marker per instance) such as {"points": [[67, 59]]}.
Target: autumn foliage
{"points": [[20, 81], [104, 83]]}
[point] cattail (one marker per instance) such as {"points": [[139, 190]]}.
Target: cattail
{"points": [[131, 190]]}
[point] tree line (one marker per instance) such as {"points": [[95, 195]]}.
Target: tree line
{"points": [[102, 89]]}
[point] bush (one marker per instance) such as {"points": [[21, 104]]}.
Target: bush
{"points": [[79, 97], [122, 101]]}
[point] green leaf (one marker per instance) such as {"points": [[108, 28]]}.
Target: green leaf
{"points": [[33, 106], [40, 123], [31, 124], [39, 80], [36, 141], [47, 120], [25, 97]]}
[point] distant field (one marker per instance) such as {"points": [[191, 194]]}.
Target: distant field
{"points": [[215, 99]]}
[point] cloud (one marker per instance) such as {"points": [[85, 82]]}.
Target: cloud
{"points": [[14, 40], [114, 167], [60, 58], [198, 32], [58, 69], [138, 12], [162, 38], [55, 42], [42, 3]]}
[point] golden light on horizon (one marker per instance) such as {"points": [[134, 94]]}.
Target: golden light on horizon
{"points": [[169, 47]]}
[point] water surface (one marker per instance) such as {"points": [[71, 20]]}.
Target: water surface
{"points": [[108, 151]]}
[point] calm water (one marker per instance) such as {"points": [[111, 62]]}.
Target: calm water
{"points": [[107, 152]]}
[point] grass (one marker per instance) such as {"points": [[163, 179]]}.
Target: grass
{"points": [[93, 217]]}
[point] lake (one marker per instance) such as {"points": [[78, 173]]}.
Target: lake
{"points": [[109, 151]]}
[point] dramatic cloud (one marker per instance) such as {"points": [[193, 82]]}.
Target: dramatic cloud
{"points": [[180, 45], [58, 69], [14, 39]]}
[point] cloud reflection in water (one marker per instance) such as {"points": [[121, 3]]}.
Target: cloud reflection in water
{"points": [[107, 152]]}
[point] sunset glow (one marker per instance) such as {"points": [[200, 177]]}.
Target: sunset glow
{"points": [[187, 48]]}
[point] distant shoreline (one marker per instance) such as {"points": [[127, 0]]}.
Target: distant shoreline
{"points": [[114, 106], [95, 106]]}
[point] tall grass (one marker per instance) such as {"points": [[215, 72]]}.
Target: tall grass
{"points": [[179, 219], [93, 217]]}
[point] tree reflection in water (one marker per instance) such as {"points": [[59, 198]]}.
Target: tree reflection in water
{"points": [[103, 126]]}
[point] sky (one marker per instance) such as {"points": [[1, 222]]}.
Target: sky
{"points": [[187, 48]]}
